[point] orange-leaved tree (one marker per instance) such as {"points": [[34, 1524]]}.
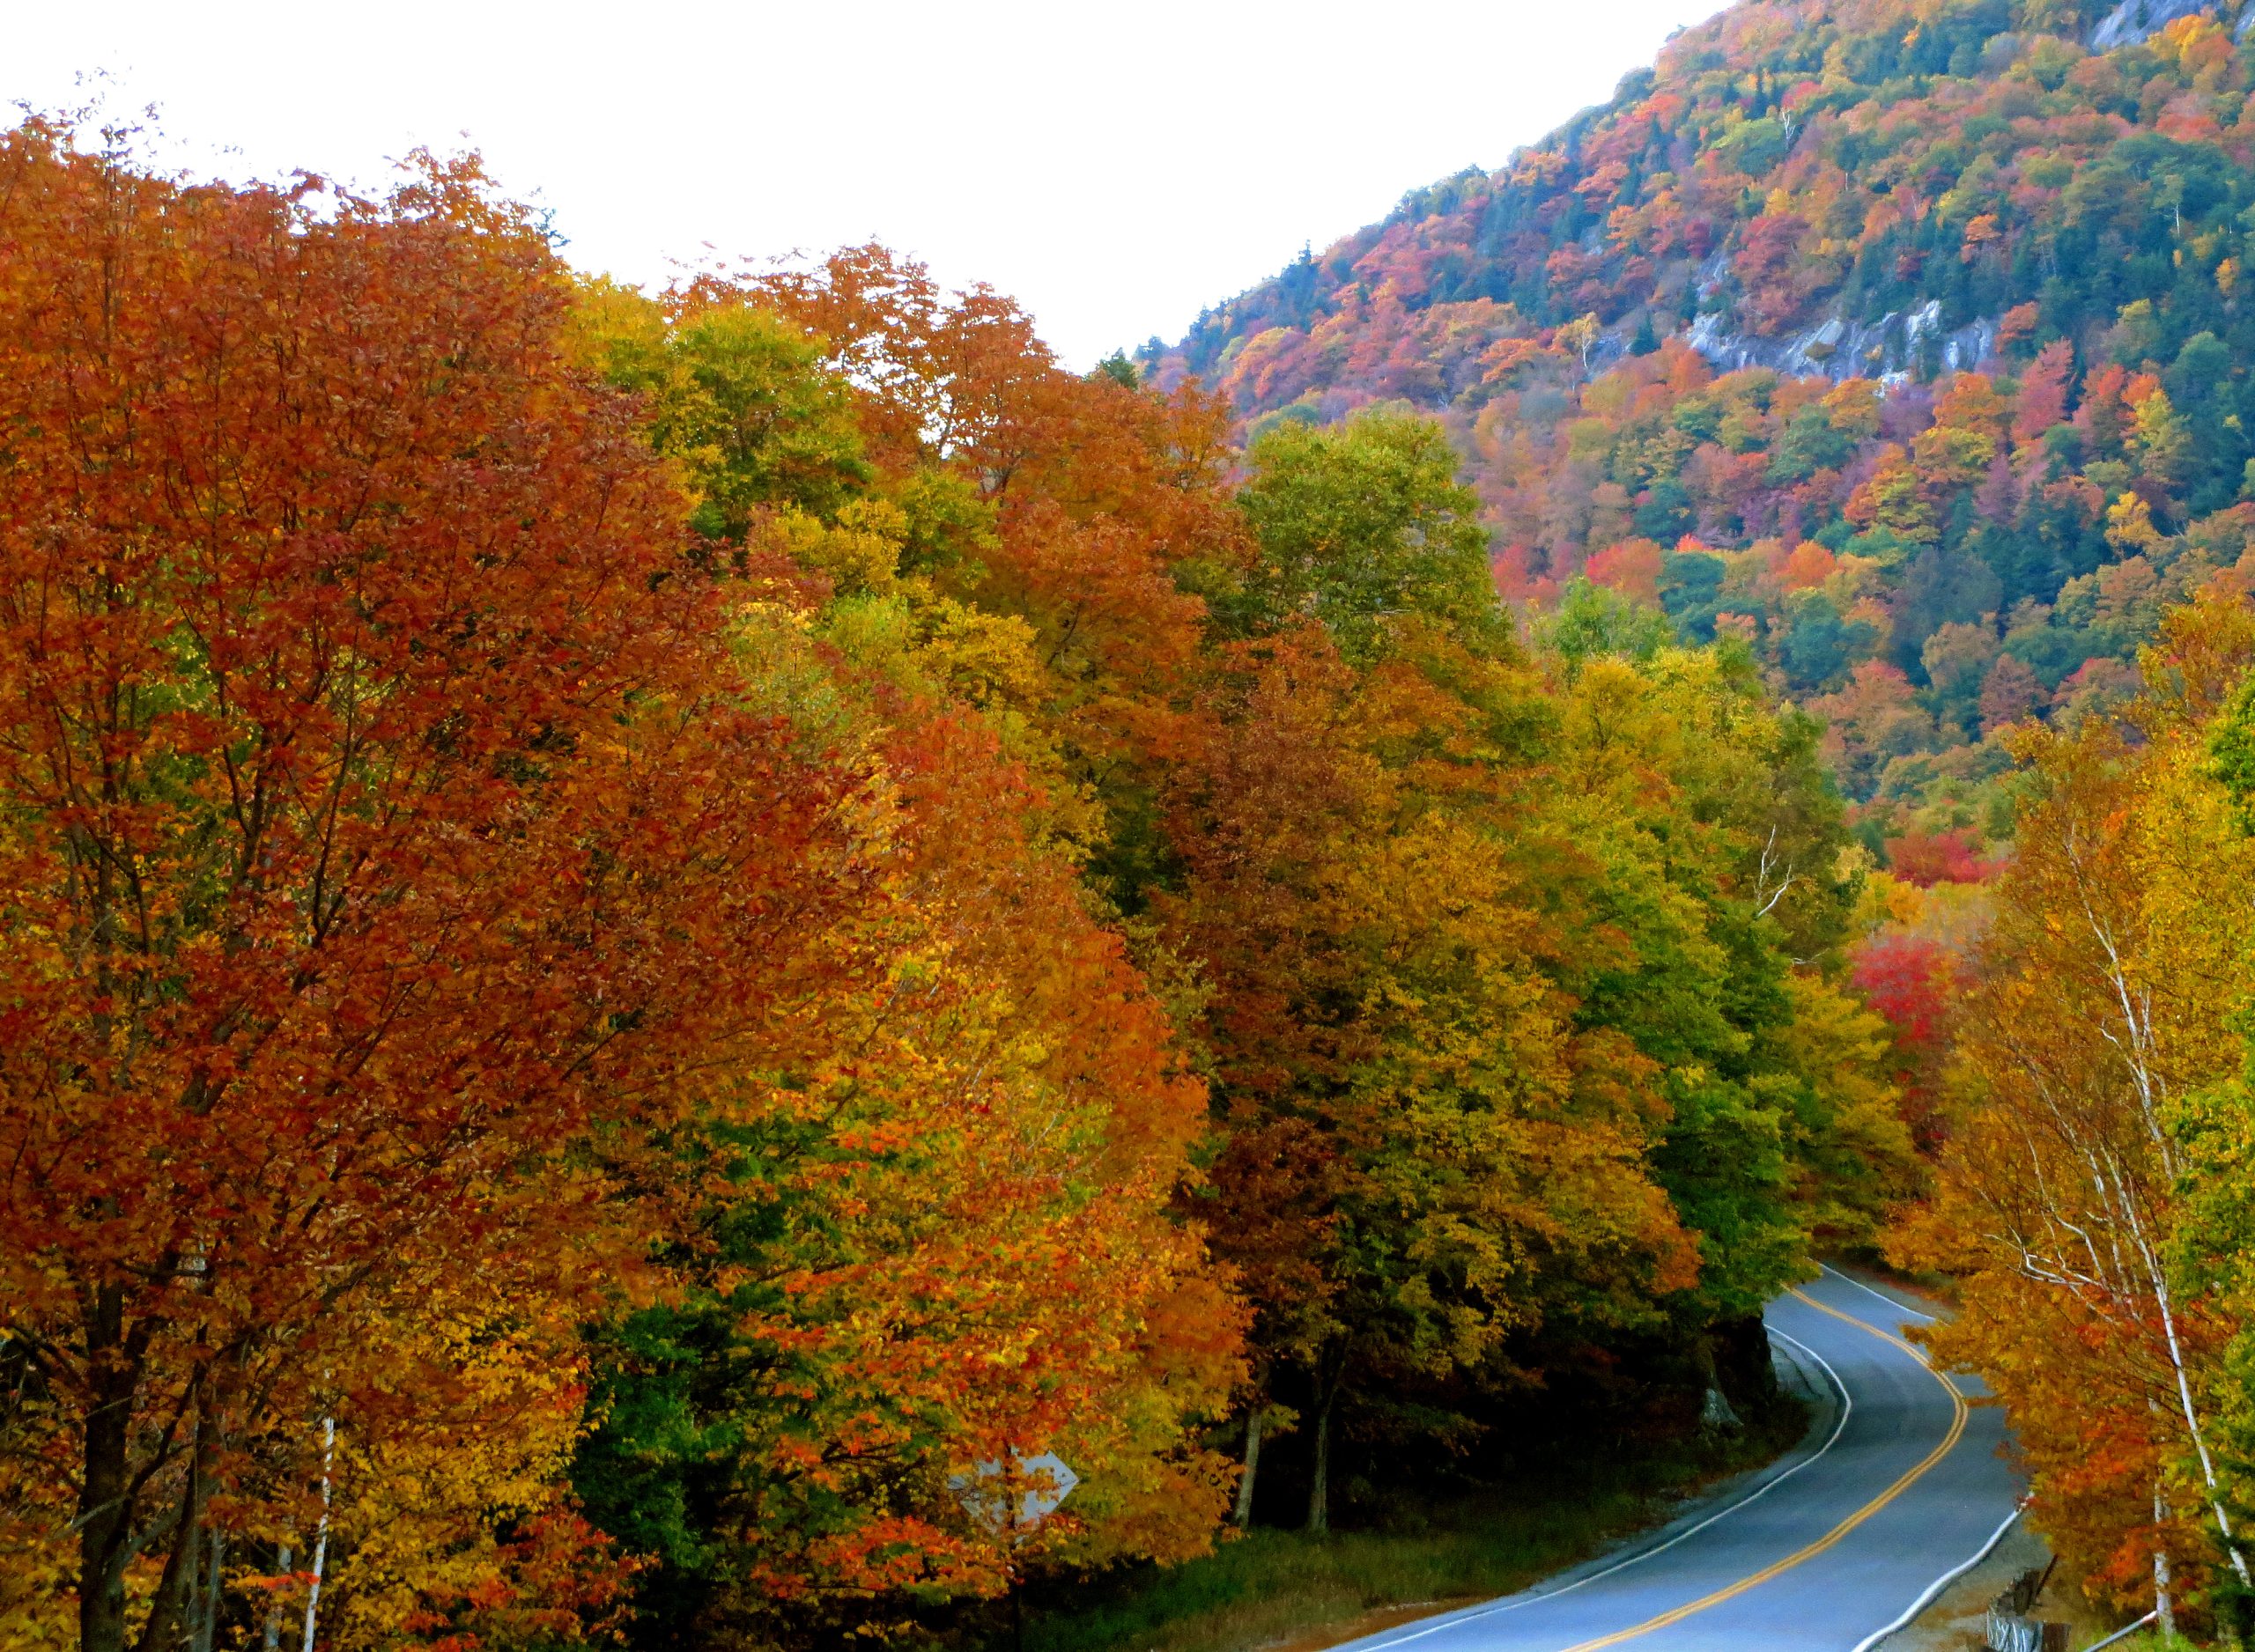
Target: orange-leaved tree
{"points": [[936, 1238], [376, 823], [1096, 512], [2103, 1014], [1420, 1155]]}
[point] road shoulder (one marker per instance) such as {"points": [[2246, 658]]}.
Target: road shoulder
{"points": [[1956, 1621]]}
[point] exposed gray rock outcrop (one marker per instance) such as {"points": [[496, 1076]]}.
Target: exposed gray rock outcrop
{"points": [[2135, 20], [1891, 349]]}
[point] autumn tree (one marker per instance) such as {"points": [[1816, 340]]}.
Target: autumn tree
{"points": [[467, 817], [1092, 512], [1504, 1032], [980, 1151], [1360, 521], [378, 824], [2097, 1055]]}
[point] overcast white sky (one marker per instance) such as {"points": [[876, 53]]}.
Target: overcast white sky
{"points": [[1116, 167]]}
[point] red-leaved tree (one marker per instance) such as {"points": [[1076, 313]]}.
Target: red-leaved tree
{"points": [[376, 823]]}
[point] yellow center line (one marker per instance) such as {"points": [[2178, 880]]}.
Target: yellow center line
{"points": [[1957, 1428]]}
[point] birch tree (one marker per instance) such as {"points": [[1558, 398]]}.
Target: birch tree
{"points": [[2116, 955]]}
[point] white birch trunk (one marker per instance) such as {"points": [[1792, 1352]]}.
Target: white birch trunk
{"points": [[320, 1535]]}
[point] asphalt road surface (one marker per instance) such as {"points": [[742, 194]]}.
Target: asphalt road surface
{"points": [[1899, 1484]]}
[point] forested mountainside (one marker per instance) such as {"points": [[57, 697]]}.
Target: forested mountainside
{"points": [[1907, 339], [661, 944], [752, 910]]}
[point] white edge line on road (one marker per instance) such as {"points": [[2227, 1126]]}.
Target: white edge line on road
{"points": [[1848, 1406], [1847, 1279], [1934, 1589], [1940, 1584]]}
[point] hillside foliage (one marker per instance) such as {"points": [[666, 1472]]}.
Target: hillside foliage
{"points": [[1900, 349], [655, 941], [1906, 339]]}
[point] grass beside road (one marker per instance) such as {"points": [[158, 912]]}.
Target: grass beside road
{"points": [[1290, 1589]]}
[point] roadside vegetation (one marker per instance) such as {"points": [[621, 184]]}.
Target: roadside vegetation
{"points": [[654, 939], [1413, 1552]]}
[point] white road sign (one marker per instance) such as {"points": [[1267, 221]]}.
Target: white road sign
{"points": [[1041, 1483]]}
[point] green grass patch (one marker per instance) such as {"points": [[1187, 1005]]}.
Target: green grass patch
{"points": [[1272, 1588]]}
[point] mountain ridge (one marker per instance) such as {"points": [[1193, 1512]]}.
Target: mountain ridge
{"points": [[1904, 339], [1467, 256]]}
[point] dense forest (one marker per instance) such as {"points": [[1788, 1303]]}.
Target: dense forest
{"points": [[1905, 340], [1902, 350], [655, 944], [658, 946]]}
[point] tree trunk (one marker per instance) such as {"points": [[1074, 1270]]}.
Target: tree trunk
{"points": [[2193, 1420], [2164, 1608], [320, 1534], [105, 1519], [173, 1612], [1244, 1515], [1330, 1375], [2151, 1088], [206, 1634]]}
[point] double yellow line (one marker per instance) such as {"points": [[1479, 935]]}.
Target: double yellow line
{"points": [[1957, 1428]]}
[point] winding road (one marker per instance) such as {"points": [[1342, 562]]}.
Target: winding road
{"points": [[1899, 1484]]}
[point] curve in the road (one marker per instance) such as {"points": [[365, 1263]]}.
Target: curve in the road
{"points": [[1516, 1602], [1903, 1311], [1905, 1469], [1777, 1568]]}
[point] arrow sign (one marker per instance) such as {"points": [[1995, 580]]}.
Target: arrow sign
{"points": [[1042, 1483]]}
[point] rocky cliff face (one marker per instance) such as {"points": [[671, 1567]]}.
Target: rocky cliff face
{"points": [[1880, 188], [2134, 21], [1898, 346]]}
